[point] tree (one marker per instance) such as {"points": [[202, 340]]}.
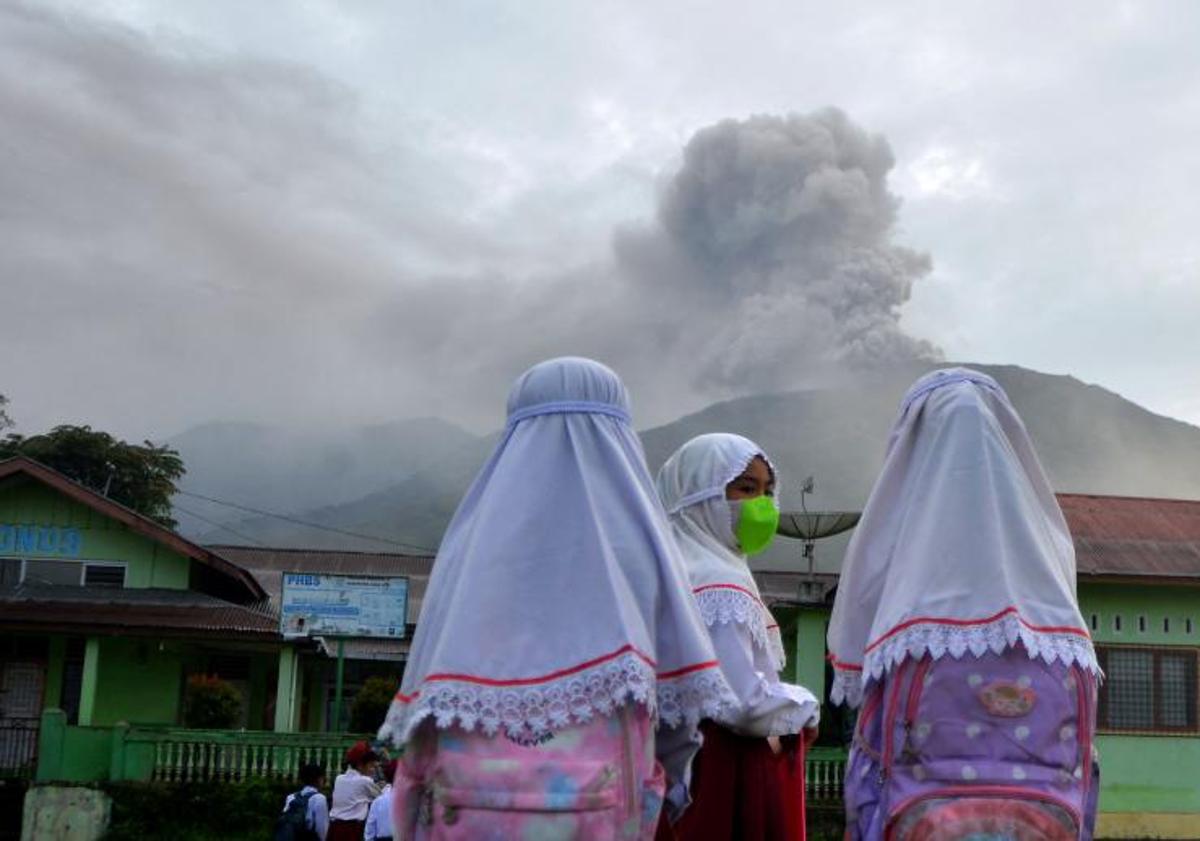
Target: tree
{"points": [[142, 477], [5, 421], [371, 704]]}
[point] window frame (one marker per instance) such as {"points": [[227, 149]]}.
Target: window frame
{"points": [[83, 564], [1157, 652]]}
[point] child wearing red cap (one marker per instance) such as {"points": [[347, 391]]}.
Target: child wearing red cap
{"points": [[353, 792]]}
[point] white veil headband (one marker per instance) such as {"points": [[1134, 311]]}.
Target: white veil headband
{"points": [[962, 547], [558, 593], [692, 486]]}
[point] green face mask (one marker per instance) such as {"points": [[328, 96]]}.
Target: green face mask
{"points": [[755, 522]]}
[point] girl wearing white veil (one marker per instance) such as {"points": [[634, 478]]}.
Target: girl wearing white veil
{"points": [[719, 491], [956, 628], [556, 632]]}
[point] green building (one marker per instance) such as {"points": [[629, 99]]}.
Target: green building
{"points": [[1138, 564], [105, 615]]}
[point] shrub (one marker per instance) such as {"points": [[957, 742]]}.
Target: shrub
{"points": [[195, 811], [371, 704], [211, 703]]}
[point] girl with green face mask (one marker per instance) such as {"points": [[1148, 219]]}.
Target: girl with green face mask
{"points": [[719, 493]]}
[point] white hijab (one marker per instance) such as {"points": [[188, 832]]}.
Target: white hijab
{"points": [[961, 548], [692, 487], [558, 594]]}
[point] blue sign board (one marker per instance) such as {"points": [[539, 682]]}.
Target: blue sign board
{"points": [[40, 541], [317, 604]]}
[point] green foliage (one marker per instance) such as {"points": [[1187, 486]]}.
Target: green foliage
{"points": [[141, 477], [196, 812], [210, 703], [371, 704]]}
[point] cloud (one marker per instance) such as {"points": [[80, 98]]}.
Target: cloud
{"points": [[220, 236]]}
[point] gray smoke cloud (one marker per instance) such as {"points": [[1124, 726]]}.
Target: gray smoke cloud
{"points": [[186, 236], [775, 238]]}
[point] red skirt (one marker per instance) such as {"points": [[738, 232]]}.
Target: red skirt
{"points": [[742, 790], [346, 830]]}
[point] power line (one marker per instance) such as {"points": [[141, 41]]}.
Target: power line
{"points": [[309, 524], [221, 526]]}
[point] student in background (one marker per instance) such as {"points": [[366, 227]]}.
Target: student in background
{"points": [[379, 818], [305, 814], [353, 792]]}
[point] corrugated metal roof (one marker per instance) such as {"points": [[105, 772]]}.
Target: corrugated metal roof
{"points": [[150, 609], [268, 565], [1134, 536]]}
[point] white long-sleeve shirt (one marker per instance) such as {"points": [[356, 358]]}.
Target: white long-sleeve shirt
{"points": [[768, 707], [316, 817], [352, 796], [379, 818]]}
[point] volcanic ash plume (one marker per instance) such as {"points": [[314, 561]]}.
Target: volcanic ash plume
{"points": [[773, 250]]}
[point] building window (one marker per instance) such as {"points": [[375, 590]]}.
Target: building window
{"points": [[1166, 624], [1095, 622], [1148, 689], [40, 571], [1141, 624], [104, 575], [1117, 623], [57, 573], [10, 572]]}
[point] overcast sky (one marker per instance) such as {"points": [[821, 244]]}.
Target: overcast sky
{"points": [[320, 212]]}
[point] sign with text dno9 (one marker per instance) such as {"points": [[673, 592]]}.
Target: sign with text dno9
{"points": [[317, 604]]}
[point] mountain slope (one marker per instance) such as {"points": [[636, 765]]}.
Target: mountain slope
{"points": [[1089, 439]]}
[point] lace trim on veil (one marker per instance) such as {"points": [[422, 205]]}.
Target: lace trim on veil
{"points": [[939, 639], [685, 696]]}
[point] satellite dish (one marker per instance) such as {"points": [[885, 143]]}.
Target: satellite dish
{"points": [[811, 526]]}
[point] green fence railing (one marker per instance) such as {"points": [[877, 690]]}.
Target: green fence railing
{"points": [[176, 754], [824, 771]]}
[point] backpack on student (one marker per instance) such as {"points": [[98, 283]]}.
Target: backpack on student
{"points": [[292, 825], [996, 746]]}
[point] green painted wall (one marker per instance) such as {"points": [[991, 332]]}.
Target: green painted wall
{"points": [[148, 564], [1146, 773], [1149, 774], [138, 683], [1130, 601], [55, 659]]}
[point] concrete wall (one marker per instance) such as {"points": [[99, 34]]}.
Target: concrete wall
{"points": [[65, 813]]}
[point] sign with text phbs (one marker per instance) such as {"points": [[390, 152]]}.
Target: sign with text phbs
{"points": [[316, 604]]}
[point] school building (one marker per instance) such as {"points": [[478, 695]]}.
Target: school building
{"points": [[1139, 590], [104, 614]]}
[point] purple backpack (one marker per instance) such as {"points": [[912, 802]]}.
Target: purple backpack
{"points": [[997, 747]]}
